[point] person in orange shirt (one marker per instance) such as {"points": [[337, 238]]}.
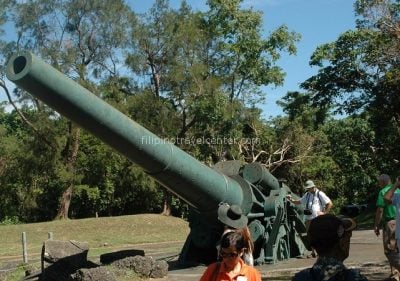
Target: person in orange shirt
{"points": [[232, 218], [232, 267]]}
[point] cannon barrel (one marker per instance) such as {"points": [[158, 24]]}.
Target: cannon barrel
{"points": [[169, 165], [276, 226]]}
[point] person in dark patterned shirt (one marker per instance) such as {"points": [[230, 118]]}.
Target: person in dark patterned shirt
{"points": [[330, 236]]}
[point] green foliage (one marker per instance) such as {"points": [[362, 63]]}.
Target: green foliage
{"points": [[155, 114], [26, 167], [84, 40], [74, 35], [299, 105], [179, 208], [6, 5], [10, 220], [309, 148], [358, 76], [85, 202], [351, 145], [348, 75], [241, 58], [357, 69], [337, 154], [135, 192]]}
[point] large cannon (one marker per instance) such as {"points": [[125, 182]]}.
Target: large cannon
{"points": [[276, 226]]}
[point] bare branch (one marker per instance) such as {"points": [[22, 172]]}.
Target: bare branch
{"points": [[24, 119]]}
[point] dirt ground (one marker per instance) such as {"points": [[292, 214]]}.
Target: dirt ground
{"points": [[366, 253]]}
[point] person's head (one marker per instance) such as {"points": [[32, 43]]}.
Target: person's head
{"points": [[330, 235], [231, 216], [232, 248], [384, 180], [310, 186]]}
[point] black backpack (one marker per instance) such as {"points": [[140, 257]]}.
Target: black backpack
{"points": [[313, 195]]}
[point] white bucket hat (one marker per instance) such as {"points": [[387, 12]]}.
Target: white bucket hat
{"points": [[309, 184]]}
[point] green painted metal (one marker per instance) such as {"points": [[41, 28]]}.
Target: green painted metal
{"points": [[276, 226], [165, 162], [258, 174]]}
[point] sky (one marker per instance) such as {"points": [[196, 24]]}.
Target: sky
{"points": [[318, 22]]}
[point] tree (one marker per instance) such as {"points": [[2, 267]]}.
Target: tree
{"points": [[215, 55], [351, 146], [296, 105], [28, 166], [83, 39], [359, 74], [307, 146], [209, 66], [239, 55], [8, 146]]}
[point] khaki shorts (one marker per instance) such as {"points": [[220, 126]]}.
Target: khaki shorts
{"points": [[390, 244]]}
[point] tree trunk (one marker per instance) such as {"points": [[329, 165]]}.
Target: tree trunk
{"points": [[64, 204], [167, 203], [70, 153]]}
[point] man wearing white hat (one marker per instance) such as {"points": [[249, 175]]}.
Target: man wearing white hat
{"points": [[315, 203]]}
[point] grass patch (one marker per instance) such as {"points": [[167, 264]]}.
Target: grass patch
{"points": [[126, 275], [103, 234], [15, 275]]}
